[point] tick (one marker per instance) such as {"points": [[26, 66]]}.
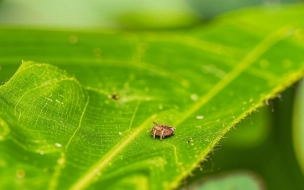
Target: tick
{"points": [[162, 130]]}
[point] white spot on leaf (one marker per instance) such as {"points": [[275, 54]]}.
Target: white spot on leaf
{"points": [[214, 70], [194, 97], [58, 145], [160, 106], [60, 161], [199, 117]]}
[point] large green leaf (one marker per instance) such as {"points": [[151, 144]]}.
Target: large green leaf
{"points": [[60, 127]]}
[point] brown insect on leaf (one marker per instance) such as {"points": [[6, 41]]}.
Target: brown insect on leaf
{"points": [[162, 130]]}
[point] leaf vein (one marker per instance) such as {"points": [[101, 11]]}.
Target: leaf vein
{"points": [[80, 122], [87, 178]]}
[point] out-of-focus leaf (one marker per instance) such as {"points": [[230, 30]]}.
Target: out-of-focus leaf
{"points": [[157, 20], [229, 181], [211, 8], [96, 14], [298, 126], [251, 132]]}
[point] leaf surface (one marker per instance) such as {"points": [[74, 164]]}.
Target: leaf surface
{"points": [[61, 126]]}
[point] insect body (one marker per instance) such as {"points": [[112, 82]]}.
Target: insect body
{"points": [[114, 96], [162, 131]]}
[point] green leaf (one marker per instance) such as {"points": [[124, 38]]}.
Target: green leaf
{"points": [[228, 181], [298, 127], [60, 125]]}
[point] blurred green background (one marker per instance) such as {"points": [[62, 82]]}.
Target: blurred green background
{"points": [[258, 146], [133, 14]]}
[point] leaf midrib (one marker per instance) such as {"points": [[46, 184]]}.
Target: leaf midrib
{"points": [[102, 163]]}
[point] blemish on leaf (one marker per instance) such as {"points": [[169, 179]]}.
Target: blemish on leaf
{"points": [[194, 97], [4, 129], [214, 70], [160, 106], [58, 145], [199, 117], [73, 39], [190, 141], [49, 99], [20, 173], [61, 161]]}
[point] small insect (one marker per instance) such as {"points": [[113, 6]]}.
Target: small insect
{"points": [[114, 96], [190, 140], [162, 130]]}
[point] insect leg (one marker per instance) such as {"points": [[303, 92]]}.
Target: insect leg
{"points": [[154, 132], [162, 134]]}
